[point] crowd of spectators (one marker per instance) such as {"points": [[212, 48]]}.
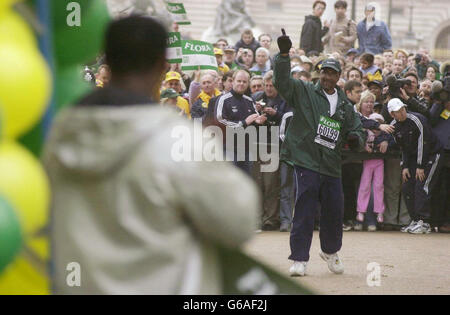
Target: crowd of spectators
{"points": [[240, 93]]}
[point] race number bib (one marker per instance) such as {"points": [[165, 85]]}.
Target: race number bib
{"points": [[328, 132]]}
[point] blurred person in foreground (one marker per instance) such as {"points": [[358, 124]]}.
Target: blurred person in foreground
{"points": [[137, 221]]}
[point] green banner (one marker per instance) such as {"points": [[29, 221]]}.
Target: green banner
{"points": [[178, 13], [243, 274], [197, 53], [174, 53]]}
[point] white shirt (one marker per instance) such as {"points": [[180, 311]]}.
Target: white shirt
{"points": [[369, 25], [333, 100]]}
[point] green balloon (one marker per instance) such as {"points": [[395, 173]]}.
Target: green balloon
{"points": [[75, 44], [10, 234]]}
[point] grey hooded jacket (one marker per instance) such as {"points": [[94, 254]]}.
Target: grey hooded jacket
{"points": [[134, 219]]}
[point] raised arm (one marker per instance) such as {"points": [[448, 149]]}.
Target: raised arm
{"points": [[282, 79]]}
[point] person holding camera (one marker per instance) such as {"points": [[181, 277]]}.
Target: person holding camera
{"points": [[245, 58], [422, 61], [405, 89], [323, 122], [421, 162]]}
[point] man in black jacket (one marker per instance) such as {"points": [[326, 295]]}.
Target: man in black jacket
{"points": [[236, 111], [312, 31], [421, 161]]}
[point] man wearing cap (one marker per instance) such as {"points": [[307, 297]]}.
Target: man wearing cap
{"points": [[342, 33], [295, 72], [323, 121], [421, 162], [229, 57], [350, 55], [306, 63], [376, 88], [219, 57], [168, 98], [373, 35], [173, 81]]}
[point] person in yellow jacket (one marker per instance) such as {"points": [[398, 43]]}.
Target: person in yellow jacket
{"points": [[219, 57], [207, 88], [103, 76], [173, 81]]}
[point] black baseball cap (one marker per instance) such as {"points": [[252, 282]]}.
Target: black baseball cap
{"points": [[376, 82], [332, 64]]}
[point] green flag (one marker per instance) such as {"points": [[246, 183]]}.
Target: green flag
{"points": [[178, 13], [174, 53], [243, 274], [197, 53]]}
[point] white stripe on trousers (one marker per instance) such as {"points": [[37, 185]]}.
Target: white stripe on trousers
{"points": [[430, 176]]}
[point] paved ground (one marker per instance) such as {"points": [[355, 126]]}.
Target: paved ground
{"points": [[410, 264]]}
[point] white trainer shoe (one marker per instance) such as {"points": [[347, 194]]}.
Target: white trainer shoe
{"points": [[405, 229], [420, 228], [298, 269], [334, 263]]}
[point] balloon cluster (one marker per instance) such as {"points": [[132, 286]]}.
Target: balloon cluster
{"points": [[25, 92], [25, 89]]}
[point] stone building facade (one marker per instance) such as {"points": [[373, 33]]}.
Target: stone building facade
{"points": [[430, 19]]}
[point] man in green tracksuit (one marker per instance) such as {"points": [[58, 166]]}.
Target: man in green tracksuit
{"points": [[323, 121]]}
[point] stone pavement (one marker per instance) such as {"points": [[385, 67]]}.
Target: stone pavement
{"points": [[409, 264]]}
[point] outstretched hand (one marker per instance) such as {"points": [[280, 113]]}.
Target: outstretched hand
{"points": [[284, 43]]}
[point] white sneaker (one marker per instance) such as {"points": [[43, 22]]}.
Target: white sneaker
{"points": [[420, 228], [334, 263], [298, 269], [372, 228], [358, 227], [405, 229]]}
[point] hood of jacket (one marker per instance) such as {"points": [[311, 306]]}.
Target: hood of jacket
{"points": [[92, 141]]}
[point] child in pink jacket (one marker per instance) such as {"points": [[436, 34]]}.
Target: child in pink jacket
{"points": [[373, 174]]}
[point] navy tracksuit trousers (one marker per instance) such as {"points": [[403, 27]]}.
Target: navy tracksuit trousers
{"points": [[418, 194], [313, 188]]}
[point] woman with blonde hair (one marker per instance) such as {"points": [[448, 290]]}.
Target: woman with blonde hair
{"points": [[402, 55], [373, 169]]}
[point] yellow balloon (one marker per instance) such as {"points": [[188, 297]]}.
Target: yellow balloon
{"points": [[25, 86], [24, 183], [6, 4], [28, 273], [14, 28]]}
